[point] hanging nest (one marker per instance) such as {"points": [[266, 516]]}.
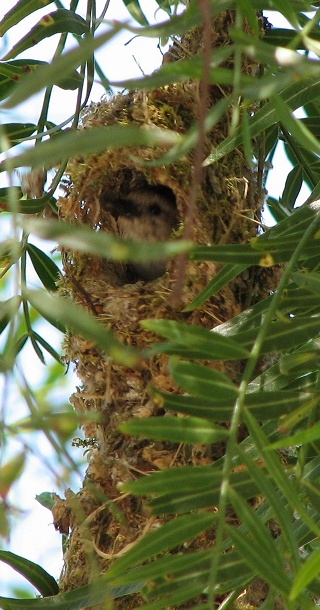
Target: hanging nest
{"points": [[99, 186]]}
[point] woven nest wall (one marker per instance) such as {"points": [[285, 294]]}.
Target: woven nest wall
{"points": [[228, 205]]}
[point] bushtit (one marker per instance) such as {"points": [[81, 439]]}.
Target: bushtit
{"points": [[148, 213]]}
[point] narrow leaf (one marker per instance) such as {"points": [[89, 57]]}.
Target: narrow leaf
{"points": [[47, 347], [181, 478], [135, 11], [278, 473], [175, 429], [14, 132], [276, 501], [308, 572], [33, 572], [295, 95], [203, 381], [261, 535], [257, 559], [84, 239], [184, 337], [292, 187], [9, 193], [56, 22], [8, 310], [169, 502], [243, 253], [46, 269], [94, 140], [225, 275], [10, 472], [300, 438], [264, 405], [310, 281], [298, 130], [96, 592], [171, 534], [19, 11], [57, 310], [283, 335], [58, 69]]}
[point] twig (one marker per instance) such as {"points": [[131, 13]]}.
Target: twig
{"points": [[199, 153]]}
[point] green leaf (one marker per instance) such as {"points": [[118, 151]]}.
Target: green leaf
{"points": [[168, 593], [312, 122], [55, 73], [257, 547], [187, 142], [283, 335], [193, 342], [181, 479], [38, 339], [178, 24], [135, 11], [89, 595], [46, 499], [268, 490], [225, 275], [292, 187], [10, 472], [94, 140], [195, 499], [14, 132], [9, 193], [203, 381], [37, 348], [60, 311], [278, 472], [275, 208], [309, 281], [8, 309], [46, 269], [300, 362], [243, 253], [34, 573], [264, 405], [179, 565], [294, 224], [232, 571], [300, 438], [284, 36], [56, 22], [175, 429], [298, 130], [33, 206], [84, 239], [272, 251], [212, 408], [295, 95], [249, 319], [169, 535], [165, 5], [308, 572], [19, 11], [11, 72]]}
